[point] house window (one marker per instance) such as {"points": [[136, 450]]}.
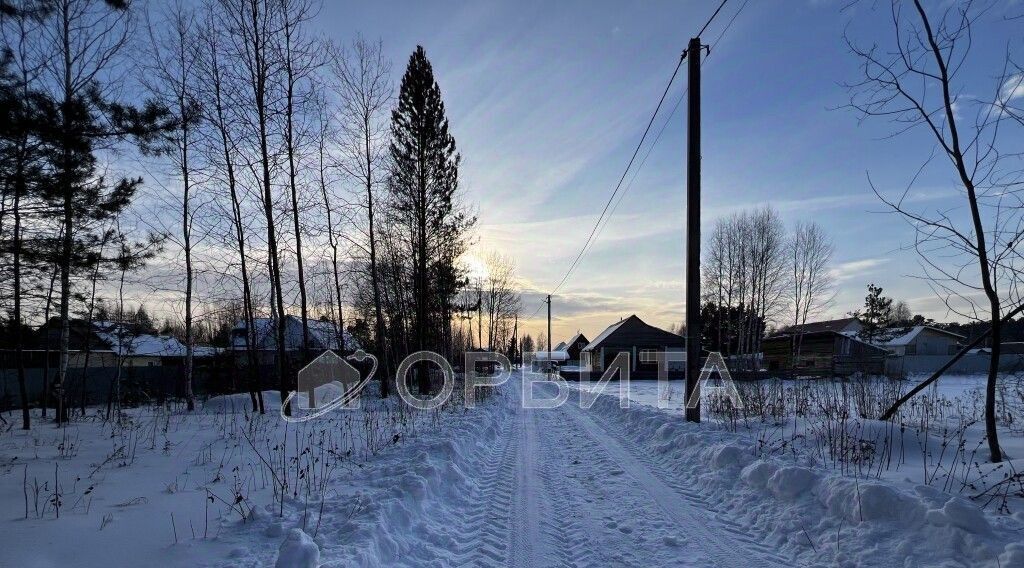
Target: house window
{"points": [[647, 358], [911, 349]]}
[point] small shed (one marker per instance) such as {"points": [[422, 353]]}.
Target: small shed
{"points": [[548, 360], [485, 367]]}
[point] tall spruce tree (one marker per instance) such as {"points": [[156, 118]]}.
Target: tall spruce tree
{"points": [[424, 180]]}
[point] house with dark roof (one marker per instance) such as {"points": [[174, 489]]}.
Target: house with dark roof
{"points": [[574, 347], [842, 325], [824, 352], [636, 338], [323, 335]]}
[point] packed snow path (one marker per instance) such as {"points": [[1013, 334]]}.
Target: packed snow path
{"points": [[561, 488], [496, 485]]}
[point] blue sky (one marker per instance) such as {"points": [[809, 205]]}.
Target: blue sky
{"points": [[547, 100]]}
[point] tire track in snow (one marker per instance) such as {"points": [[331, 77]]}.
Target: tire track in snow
{"points": [[579, 500], [526, 547], [700, 524], [482, 531], [661, 467]]}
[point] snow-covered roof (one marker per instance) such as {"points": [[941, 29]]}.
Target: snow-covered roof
{"points": [[900, 336], [124, 341], [604, 334], [555, 356], [323, 334], [854, 337], [561, 346], [575, 338]]}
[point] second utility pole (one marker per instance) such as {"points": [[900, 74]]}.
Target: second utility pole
{"points": [[693, 324], [549, 329]]}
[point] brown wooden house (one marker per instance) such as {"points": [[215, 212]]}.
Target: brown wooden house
{"points": [[574, 347], [822, 353], [634, 337]]}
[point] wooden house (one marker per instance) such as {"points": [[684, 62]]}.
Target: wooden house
{"points": [[635, 337], [574, 347], [822, 353], [919, 340]]}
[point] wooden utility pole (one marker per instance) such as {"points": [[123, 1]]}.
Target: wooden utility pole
{"points": [[693, 323], [549, 330], [515, 338]]}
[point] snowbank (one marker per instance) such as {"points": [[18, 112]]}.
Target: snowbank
{"points": [[298, 551], [196, 489], [810, 512]]}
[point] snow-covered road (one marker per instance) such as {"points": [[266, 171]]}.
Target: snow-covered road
{"points": [[560, 487], [495, 485]]}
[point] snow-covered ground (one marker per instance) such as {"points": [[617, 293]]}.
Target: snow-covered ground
{"points": [[668, 395], [496, 485]]}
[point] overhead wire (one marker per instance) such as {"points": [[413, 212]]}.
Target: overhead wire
{"points": [[598, 227]]}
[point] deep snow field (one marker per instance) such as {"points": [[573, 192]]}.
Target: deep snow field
{"points": [[498, 485]]}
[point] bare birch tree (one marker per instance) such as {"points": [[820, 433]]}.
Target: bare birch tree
{"points": [[362, 82], [916, 81], [811, 284], [501, 299], [172, 76], [253, 25], [299, 58], [223, 151]]}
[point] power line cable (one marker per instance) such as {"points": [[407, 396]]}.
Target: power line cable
{"points": [[664, 125], [636, 151]]}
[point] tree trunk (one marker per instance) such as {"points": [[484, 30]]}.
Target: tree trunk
{"points": [[259, 89], [990, 387], [45, 396], [290, 148], [374, 277], [421, 261], [19, 341], [255, 394], [186, 231], [68, 222]]}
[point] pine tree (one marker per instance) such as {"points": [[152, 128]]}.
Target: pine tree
{"points": [[85, 37], [527, 344], [876, 315], [424, 180], [26, 137]]}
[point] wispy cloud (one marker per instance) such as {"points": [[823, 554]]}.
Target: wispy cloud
{"points": [[1013, 88], [856, 268]]}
